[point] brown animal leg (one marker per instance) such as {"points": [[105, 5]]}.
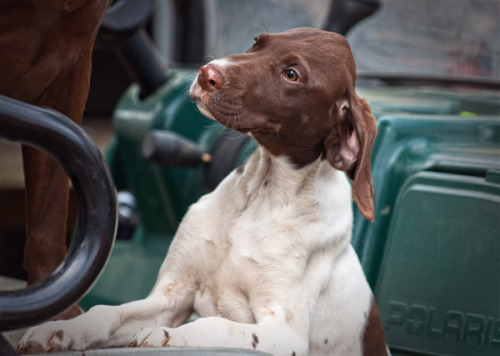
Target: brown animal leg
{"points": [[47, 185], [47, 189], [47, 195]]}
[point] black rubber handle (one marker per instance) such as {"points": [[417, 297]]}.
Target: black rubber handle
{"points": [[344, 14], [122, 28], [97, 214], [173, 150]]}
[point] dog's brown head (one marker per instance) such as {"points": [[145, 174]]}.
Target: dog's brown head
{"points": [[294, 92]]}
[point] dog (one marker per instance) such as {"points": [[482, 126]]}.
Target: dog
{"points": [[265, 259], [46, 60]]}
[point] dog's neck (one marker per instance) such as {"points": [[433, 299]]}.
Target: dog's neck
{"points": [[272, 187], [279, 179], [299, 150]]}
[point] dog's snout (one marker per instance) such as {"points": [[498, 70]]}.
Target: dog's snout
{"points": [[210, 78]]}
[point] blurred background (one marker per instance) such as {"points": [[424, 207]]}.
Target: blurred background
{"points": [[430, 70]]}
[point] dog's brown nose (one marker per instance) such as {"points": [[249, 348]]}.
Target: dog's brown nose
{"points": [[209, 78]]}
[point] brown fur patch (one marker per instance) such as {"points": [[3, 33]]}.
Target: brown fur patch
{"points": [[255, 341], [374, 337], [31, 347]]}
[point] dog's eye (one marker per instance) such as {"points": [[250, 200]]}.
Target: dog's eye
{"points": [[291, 75]]}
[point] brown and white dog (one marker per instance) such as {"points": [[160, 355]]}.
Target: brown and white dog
{"points": [[265, 260], [45, 60]]}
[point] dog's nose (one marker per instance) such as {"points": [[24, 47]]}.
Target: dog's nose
{"points": [[209, 78]]}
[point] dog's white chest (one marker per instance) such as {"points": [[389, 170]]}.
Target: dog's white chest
{"points": [[254, 246], [242, 260]]}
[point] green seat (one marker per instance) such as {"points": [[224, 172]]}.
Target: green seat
{"points": [[432, 254], [438, 288], [407, 144]]}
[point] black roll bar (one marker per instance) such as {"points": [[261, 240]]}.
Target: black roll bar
{"points": [[97, 214]]}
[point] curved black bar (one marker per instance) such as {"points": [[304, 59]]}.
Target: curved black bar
{"points": [[97, 214]]}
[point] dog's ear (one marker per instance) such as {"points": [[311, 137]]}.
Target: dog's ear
{"points": [[349, 145]]}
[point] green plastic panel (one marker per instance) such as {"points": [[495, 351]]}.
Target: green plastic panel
{"points": [[432, 101], [439, 287], [407, 144], [169, 108]]}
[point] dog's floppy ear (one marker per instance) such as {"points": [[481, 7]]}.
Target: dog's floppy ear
{"points": [[349, 145]]}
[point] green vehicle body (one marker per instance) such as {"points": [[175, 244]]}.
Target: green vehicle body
{"points": [[432, 255]]}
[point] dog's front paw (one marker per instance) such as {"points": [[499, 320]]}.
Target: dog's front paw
{"points": [[49, 337], [157, 337]]}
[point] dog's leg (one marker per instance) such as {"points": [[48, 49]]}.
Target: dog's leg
{"points": [[108, 326], [272, 335], [101, 326]]}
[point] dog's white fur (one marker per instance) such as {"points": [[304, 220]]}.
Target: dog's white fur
{"points": [[269, 249], [265, 260]]}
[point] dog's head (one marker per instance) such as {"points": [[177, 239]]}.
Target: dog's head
{"points": [[294, 92]]}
